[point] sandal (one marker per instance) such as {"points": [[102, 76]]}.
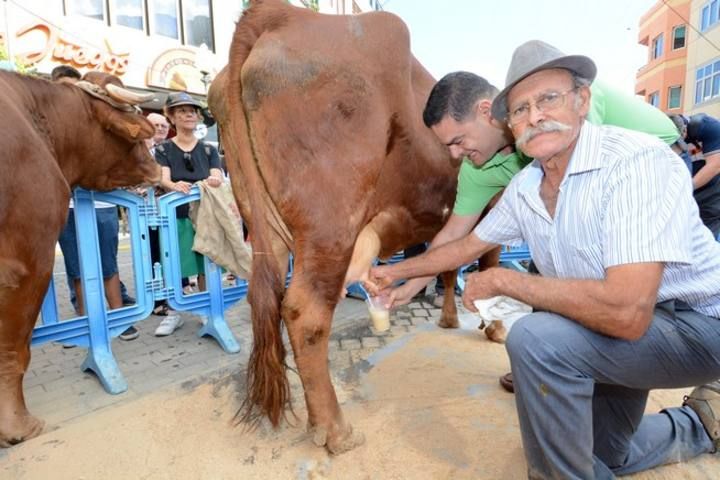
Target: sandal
{"points": [[161, 310]]}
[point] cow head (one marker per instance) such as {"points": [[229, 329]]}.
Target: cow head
{"points": [[116, 137]]}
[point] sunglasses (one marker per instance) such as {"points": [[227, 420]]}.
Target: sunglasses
{"points": [[187, 158]]}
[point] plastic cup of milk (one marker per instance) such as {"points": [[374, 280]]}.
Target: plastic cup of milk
{"points": [[379, 313]]}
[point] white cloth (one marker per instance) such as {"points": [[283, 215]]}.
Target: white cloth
{"points": [[626, 198], [503, 308]]}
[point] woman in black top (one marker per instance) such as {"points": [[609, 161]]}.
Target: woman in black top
{"points": [[185, 160]]}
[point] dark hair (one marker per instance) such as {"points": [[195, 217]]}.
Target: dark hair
{"points": [[64, 71], [456, 94], [679, 120]]}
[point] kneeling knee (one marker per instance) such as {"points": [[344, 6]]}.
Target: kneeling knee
{"points": [[525, 334]]}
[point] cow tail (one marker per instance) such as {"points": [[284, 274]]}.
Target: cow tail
{"points": [[268, 389]]}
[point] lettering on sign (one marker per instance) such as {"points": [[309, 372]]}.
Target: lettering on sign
{"points": [[64, 50]]}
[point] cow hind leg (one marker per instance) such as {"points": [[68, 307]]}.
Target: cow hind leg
{"points": [[20, 298], [308, 315], [448, 316]]}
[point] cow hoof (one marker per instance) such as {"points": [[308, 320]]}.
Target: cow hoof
{"points": [[27, 428], [342, 442], [319, 435], [495, 331], [448, 321], [345, 442]]}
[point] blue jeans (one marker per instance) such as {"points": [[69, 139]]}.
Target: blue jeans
{"points": [[107, 227], [581, 396]]}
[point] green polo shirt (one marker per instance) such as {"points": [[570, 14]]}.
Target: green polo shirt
{"points": [[477, 185]]}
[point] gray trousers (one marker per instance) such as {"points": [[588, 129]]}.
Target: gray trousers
{"points": [[581, 395]]}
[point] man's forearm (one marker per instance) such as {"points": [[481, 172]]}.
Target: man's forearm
{"points": [[456, 228], [707, 172], [443, 258], [616, 311]]}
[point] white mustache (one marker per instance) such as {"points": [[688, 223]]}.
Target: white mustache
{"points": [[545, 127]]}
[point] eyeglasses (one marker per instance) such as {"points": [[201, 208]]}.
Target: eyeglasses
{"points": [[187, 158], [164, 126], [544, 103]]}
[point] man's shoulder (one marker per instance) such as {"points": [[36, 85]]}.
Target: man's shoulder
{"points": [[620, 148], [622, 141]]}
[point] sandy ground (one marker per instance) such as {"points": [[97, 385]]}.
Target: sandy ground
{"points": [[428, 404]]}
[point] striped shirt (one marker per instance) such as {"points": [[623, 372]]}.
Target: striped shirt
{"points": [[626, 198]]}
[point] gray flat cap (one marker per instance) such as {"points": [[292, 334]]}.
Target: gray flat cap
{"points": [[533, 56]]}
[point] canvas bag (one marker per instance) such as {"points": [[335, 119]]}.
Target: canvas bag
{"points": [[218, 229]]}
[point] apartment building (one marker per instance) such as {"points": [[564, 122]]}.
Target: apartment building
{"points": [[664, 30]]}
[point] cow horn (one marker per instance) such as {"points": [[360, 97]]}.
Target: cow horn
{"points": [[124, 95]]}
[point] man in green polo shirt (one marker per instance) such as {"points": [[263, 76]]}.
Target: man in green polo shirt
{"points": [[458, 112]]}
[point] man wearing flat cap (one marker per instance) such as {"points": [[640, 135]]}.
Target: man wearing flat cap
{"points": [[629, 297]]}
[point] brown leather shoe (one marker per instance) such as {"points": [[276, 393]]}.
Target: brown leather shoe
{"points": [[705, 401], [506, 381]]}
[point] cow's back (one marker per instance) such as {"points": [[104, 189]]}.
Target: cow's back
{"points": [[336, 102]]}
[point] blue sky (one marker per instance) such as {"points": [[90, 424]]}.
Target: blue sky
{"points": [[480, 35]]}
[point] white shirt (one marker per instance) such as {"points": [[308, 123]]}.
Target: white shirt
{"points": [[625, 198]]}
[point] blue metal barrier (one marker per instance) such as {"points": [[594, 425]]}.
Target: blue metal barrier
{"points": [[97, 327], [211, 303]]}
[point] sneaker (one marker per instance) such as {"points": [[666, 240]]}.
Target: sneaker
{"points": [[705, 401], [128, 300], [169, 325], [131, 333]]}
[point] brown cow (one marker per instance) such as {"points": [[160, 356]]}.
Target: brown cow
{"points": [[54, 137], [321, 119]]}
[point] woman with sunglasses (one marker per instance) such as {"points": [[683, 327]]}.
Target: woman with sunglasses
{"points": [[185, 160]]}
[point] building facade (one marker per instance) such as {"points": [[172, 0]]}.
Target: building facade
{"points": [[703, 59], [152, 45], [662, 80]]}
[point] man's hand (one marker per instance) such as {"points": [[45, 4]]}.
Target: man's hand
{"points": [[380, 278], [480, 285], [403, 294]]}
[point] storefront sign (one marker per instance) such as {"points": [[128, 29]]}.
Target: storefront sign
{"points": [[176, 69], [60, 49]]}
